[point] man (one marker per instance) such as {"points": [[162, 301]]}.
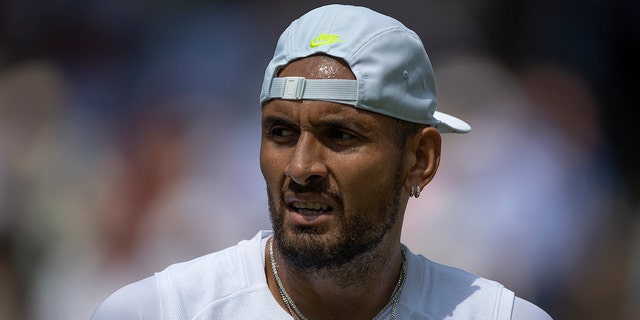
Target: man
{"points": [[349, 134]]}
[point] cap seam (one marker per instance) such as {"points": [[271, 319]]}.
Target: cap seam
{"points": [[378, 35]]}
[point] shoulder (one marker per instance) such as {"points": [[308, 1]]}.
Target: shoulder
{"points": [[439, 279], [180, 286], [239, 265], [525, 310], [440, 291], [138, 300]]}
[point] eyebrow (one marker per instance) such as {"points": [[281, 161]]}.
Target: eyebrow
{"points": [[332, 122], [342, 123], [271, 121]]}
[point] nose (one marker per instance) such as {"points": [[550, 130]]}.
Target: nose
{"points": [[307, 162]]}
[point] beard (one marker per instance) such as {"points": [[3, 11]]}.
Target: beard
{"points": [[359, 231]]}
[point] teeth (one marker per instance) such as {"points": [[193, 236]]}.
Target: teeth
{"points": [[310, 205]]}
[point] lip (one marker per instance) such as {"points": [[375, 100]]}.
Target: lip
{"points": [[308, 220], [308, 210]]}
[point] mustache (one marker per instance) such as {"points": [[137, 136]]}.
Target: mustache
{"points": [[318, 187], [313, 187]]}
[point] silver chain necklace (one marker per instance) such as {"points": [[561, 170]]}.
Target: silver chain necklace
{"points": [[295, 312]]}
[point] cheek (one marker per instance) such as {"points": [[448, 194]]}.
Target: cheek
{"points": [[271, 165], [266, 167], [366, 180]]}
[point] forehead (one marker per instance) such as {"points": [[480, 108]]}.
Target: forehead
{"points": [[314, 67], [321, 112], [318, 67]]}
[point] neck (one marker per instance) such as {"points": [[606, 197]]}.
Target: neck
{"points": [[357, 290]]}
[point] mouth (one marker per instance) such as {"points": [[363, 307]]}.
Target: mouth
{"points": [[308, 212], [310, 208]]}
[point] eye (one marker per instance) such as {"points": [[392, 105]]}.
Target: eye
{"points": [[339, 134], [282, 134], [339, 138]]}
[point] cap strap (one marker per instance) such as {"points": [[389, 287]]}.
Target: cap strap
{"points": [[299, 88]]}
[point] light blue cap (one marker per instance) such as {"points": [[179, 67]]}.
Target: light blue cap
{"points": [[393, 73]]}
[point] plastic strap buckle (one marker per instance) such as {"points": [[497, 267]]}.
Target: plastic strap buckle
{"points": [[293, 88]]}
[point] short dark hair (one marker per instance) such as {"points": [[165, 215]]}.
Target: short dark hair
{"points": [[404, 129]]}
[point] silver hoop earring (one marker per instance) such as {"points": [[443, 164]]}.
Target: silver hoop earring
{"points": [[412, 192], [417, 191]]}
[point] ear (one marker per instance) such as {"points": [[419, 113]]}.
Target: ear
{"points": [[426, 152]]}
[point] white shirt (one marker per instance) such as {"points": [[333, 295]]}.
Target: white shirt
{"points": [[231, 284]]}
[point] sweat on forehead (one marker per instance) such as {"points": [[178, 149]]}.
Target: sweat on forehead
{"points": [[318, 66]]}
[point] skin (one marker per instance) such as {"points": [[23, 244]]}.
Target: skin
{"points": [[338, 187]]}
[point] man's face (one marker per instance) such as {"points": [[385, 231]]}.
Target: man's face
{"points": [[334, 174]]}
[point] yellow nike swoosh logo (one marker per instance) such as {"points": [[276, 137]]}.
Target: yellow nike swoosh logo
{"points": [[323, 39]]}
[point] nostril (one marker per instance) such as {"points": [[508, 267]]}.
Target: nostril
{"points": [[302, 178], [304, 173]]}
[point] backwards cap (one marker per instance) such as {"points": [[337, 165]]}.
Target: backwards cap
{"points": [[393, 73]]}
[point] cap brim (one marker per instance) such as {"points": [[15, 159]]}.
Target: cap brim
{"points": [[451, 124]]}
